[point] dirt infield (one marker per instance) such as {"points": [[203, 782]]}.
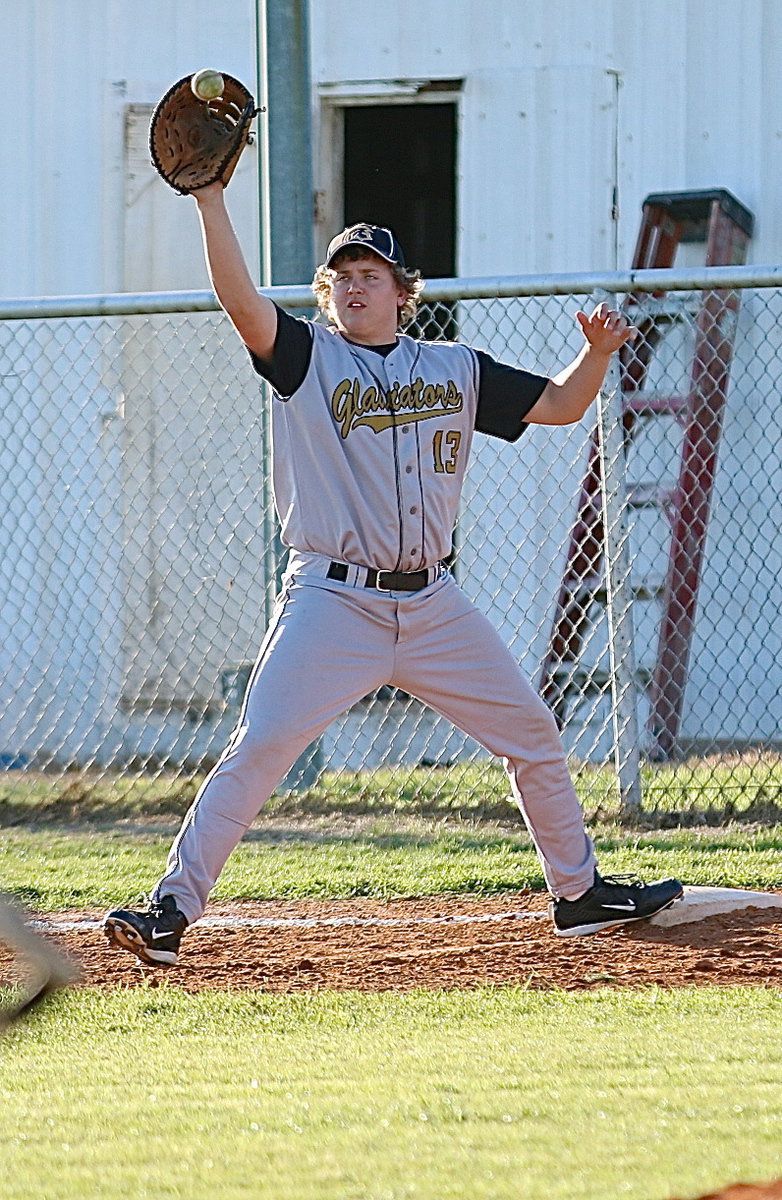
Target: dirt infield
{"points": [[370, 946], [748, 1191]]}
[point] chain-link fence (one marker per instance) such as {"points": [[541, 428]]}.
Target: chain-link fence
{"points": [[139, 552]]}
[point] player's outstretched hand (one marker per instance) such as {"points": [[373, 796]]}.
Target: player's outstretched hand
{"points": [[606, 329]]}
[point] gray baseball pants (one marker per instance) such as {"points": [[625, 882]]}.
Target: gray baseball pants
{"points": [[327, 646]]}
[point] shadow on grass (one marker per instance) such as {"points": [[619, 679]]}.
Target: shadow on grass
{"points": [[98, 801], [762, 810], [448, 840], [62, 811]]}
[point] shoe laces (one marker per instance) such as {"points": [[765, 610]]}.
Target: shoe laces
{"points": [[628, 880], [153, 907]]}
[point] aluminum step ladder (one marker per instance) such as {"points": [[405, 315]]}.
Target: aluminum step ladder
{"points": [[716, 218]]}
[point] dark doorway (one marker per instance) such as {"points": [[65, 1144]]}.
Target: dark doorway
{"points": [[400, 171]]}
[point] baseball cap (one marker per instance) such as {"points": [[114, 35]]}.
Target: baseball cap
{"points": [[368, 237]]}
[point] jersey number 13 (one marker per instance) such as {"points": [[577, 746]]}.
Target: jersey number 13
{"points": [[445, 447]]}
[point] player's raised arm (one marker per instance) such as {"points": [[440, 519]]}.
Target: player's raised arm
{"points": [[198, 132], [254, 316], [569, 394]]}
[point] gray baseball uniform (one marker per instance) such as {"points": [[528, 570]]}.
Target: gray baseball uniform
{"points": [[370, 450]]}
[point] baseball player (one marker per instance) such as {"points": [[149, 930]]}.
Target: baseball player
{"points": [[48, 970], [372, 432]]}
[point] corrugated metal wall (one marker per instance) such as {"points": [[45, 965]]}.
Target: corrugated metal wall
{"points": [[562, 107], [545, 133], [698, 106], [77, 65]]}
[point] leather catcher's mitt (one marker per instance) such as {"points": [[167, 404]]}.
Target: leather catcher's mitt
{"points": [[195, 142]]}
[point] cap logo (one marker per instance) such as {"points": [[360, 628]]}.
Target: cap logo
{"points": [[362, 233]]}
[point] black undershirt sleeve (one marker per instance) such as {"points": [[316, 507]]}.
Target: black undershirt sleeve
{"points": [[505, 396], [291, 358]]}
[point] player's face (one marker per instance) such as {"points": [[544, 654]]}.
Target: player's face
{"points": [[365, 300]]}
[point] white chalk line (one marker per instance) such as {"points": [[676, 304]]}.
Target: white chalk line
{"points": [[63, 925]]}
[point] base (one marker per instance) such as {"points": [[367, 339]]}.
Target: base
{"points": [[697, 903]]}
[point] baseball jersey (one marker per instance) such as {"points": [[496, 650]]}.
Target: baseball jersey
{"points": [[370, 445]]}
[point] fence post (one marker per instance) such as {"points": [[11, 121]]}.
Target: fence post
{"points": [[619, 593]]}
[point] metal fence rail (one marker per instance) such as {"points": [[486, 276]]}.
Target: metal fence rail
{"points": [[139, 556]]}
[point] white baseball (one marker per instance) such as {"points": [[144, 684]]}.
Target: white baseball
{"points": [[207, 84]]}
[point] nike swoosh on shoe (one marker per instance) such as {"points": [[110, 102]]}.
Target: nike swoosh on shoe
{"points": [[629, 906]]}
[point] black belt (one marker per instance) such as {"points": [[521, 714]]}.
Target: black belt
{"points": [[385, 581]]}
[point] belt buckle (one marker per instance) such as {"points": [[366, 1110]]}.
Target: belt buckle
{"points": [[378, 586]]}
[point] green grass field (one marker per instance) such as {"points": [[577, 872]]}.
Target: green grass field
{"points": [[55, 868], [493, 1093], [490, 1094]]}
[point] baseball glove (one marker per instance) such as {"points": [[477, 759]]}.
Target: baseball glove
{"points": [[196, 142]]}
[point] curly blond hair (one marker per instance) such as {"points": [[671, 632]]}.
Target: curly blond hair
{"points": [[410, 282]]}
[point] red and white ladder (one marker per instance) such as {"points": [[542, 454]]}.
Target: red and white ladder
{"points": [[717, 218]]}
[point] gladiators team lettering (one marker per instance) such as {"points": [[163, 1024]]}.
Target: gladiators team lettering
{"points": [[401, 404]]}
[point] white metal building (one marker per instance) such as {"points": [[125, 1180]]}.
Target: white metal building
{"points": [[540, 129], [556, 106]]}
